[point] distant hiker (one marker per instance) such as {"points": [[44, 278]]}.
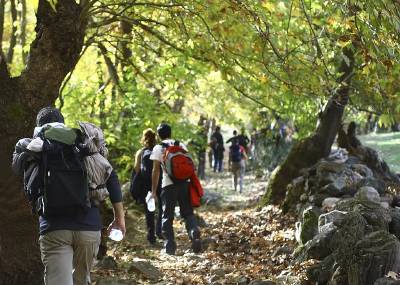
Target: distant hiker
{"points": [[200, 147], [217, 145], [237, 159], [70, 222], [243, 139], [177, 167], [141, 180], [278, 129], [235, 137], [255, 136]]}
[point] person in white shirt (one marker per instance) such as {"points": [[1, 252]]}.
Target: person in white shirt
{"points": [[170, 194]]}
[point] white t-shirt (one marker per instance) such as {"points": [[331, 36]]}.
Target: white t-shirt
{"points": [[158, 154]]}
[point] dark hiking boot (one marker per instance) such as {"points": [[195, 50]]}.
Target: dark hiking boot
{"points": [[151, 239], [165, 251], [160, 235], [196, 242]]}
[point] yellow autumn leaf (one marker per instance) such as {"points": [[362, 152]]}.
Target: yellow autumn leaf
{"points": [[263, 79], [239, 46], [296, 13], [269, 6], [256, 48], [343, 44]]}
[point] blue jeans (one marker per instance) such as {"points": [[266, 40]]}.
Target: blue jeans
{"points": [[218, 160]]}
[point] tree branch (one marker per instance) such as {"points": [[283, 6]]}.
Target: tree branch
{"points": [[111, 68], [251, 98], [362, 109], [165, 41]]}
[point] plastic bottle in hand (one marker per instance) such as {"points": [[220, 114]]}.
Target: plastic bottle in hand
{"points": [[151, 205], [116, 235]]}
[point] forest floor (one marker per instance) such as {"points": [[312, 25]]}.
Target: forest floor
{"points": [[387, 144], [242, 239]]}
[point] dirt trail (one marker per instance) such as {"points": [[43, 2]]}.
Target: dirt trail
{"points": [[239, 240]]}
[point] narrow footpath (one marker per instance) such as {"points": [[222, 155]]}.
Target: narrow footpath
{"points": [[242, 243]]}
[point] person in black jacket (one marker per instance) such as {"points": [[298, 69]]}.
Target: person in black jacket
{"points": [[144, 168], [235, 137], [68, 244], [217, 144]]}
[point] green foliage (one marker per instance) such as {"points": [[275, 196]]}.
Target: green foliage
{"points": [[270, 155], [240, 62]]}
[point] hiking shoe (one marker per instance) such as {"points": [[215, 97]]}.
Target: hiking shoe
{"points": [[196, 242], [164, 250], [152, 240]]}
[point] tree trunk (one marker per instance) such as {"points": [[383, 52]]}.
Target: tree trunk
{"points": [[308, 151], [2, 5], [54, 52], [23, 30], [13, 40]]}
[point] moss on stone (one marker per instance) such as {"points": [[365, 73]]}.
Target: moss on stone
{"points": [[309, 226], [299, 248]]}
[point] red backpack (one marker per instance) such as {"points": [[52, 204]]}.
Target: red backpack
{"points": [[177, 163]]}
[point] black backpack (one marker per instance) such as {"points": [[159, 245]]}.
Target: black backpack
{"points": [[33, 182], [242, 141], [235, 153], [146, 164], [62, 180]]}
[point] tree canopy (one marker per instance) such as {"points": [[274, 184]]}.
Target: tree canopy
{"points": [[145, 62]]}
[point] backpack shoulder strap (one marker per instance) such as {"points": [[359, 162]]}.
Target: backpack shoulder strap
{"points": [[164, 145]]}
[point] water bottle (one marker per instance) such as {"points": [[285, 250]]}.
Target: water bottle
{"points": [[151, 205], [116, 235]]}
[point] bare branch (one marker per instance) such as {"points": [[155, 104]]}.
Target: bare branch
{"points": [[362, 109], [251, 98], [60, 95], [103, 86], [111, 68], [119, 17]]}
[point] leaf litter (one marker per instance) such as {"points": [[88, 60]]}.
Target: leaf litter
{"points": [[240, 240]]}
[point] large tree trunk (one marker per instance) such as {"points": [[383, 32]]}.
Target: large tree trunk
{"points": [[308, 151], [53, 54]]}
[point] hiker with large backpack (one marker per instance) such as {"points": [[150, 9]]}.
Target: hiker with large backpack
{"points": [[237, 162], [56, 178], [177, 168], [217, 145], [141, 180]]}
